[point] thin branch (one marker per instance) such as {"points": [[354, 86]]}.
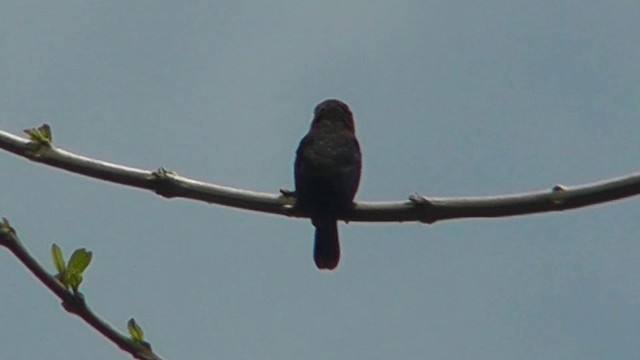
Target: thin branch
{"points": [[417, 208], [73, 302]]}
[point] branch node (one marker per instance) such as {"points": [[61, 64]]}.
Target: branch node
{"points": [[41, 139], [288, 198], [165, 182], [41, 135], [418, 199], [74, 302], [558, 194], [424, 207]]}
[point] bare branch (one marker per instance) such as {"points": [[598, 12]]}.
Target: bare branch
{"points": [[73, 302], [417, 208]]}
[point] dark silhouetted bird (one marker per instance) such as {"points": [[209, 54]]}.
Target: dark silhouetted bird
{"points": [[327, 174]]}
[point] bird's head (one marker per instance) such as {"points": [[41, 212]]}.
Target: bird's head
{"points": [[332, 112]]}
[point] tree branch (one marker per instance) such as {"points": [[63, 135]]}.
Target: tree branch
{"points": [[417, 208], [73, 302]]}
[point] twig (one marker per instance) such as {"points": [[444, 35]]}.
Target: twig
{"points": [[73, 302], [417, 208]]}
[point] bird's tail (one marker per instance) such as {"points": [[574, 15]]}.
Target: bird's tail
{"points": [[326, 251]]}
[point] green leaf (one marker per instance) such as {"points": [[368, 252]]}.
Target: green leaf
{"points": [[135, 330], [4, 226], [74, 279], [41, 135], [62, 279], [58, 262], [79, 261], [45, 130], [58, 259]]}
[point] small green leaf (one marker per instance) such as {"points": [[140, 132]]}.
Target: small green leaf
{"points": [[58, 259], [62, 279], [32, 133], [135, 330], [58, 262], [79, 261], [4, 226], [45, 130], [41, 135], [74, 279]]}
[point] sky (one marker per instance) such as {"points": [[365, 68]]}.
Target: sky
{"points": [[450, 98]]}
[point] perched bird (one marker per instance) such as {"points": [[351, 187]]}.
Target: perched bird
{"points": [[327, 174]]}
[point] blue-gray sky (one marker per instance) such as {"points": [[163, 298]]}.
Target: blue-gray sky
{"points": [[450, 99]]}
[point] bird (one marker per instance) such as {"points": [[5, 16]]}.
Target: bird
{"points": [[327, 171]]}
